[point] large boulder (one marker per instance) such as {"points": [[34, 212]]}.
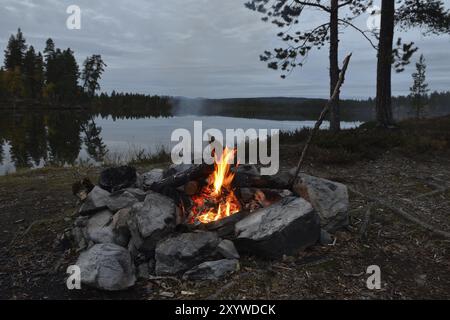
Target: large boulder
{"points": [[180, 253], [117, 178], [107, 267], [282, 228], [151, 221], [96, 200], [212, 270], [329, 199]]}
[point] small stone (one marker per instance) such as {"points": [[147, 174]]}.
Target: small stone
{"points": [[325, 238], [421, 280], [137, 193], [227, 249], [167, 294], [212, 270], [151, 177], [107, 267], [120, 227], [121, 200], [143, 271], [96, 200], [98, 228]]}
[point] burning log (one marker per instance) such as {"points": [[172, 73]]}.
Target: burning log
{"points": [[194, 173], [191, 188]]}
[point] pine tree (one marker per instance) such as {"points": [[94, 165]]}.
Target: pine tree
{"points": [[92, 73], [299, 43], [419, 89], [49, 55], [15, 51], [39, 75], [429, 15], [28, 72]]}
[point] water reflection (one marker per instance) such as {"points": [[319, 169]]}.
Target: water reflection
{"points": [[35, 139]]}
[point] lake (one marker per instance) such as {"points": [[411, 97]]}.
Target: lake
{"points": [[33, 140]]}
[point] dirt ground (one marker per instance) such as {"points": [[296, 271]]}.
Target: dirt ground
{"points": [[37, 206]]}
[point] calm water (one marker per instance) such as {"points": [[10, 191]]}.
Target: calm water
{"points": [[64, 138]]}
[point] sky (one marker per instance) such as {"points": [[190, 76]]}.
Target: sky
{"points": [[205, 48]]}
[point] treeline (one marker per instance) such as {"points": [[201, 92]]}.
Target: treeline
{"points": [[305, 109], [51, 77], [131, 105]]}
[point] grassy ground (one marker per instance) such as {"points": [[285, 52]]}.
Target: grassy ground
{"points": [[395, 166]]}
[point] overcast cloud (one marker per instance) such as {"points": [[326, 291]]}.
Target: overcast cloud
{"points": [[203, 48]]}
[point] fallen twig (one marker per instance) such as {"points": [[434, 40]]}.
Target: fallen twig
{"points": [[365, 223], [404, 214], [433, 193]]}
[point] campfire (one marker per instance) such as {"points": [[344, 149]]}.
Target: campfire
{"points": [[217, 199], [131, 227]]}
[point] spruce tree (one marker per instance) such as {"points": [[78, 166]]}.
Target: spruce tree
{"points": [[419, 89], [92, 73], [15, 51]]}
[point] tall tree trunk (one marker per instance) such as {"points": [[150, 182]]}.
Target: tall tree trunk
{"points": [[384, 68], [335, 119]]}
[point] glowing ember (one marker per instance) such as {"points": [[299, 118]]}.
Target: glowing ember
{"points": [[217, 200]]}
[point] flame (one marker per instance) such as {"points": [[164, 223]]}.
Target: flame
{"points": [[217, 199]]}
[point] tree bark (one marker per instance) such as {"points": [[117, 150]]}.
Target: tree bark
{"points": [[384, 68], [335, 121]]}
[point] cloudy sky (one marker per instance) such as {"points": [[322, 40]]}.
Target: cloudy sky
{"points": [[203, 48]]}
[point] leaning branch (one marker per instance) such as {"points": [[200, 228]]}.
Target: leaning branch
{"points": [[322, 116]]}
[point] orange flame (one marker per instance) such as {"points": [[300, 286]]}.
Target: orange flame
{"points": [[217, 199]]}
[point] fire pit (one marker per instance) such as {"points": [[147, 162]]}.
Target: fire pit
{"points": [[194, 221]]}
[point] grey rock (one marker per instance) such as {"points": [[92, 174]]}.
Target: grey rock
{"points": [[152, 176], [180, 253], [99, 229], [176, 169], [79, 232], [120, 227], [132, 249], [96, 200], [329, 199], [143, 271], [107, 267], [151, 220], [121, 200], [212, 270], [227, 249], [137, 193], [325, 238], [282, 228]]}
